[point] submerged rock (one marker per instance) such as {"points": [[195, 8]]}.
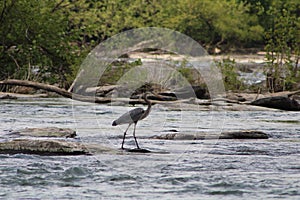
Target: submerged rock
{"points": [[193, 91], [244, 135], [248, 134]]}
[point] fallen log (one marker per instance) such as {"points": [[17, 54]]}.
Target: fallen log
{"points": [[36, 85], [52, 88], [70, 95]]}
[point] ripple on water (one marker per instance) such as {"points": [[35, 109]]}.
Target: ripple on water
{"points": [[76, 172], [120, 178]]}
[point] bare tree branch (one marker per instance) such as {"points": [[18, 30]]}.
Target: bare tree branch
{"points": [[67, 94]]}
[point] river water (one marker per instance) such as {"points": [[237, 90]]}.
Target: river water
{"points": [[177, 169]]}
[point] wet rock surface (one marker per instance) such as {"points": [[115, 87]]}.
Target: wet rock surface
{"points": [[248, 134], [49, 141], [278, 102], [45, 132], [43, 147], [42, 141]]}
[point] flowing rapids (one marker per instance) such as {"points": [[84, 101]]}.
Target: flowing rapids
{"points": [[191, 169]]}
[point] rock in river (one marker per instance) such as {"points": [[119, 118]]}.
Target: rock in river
{"points": [[244, 134], [48, 141], [45, 132], [43, 147], [278, 102]]}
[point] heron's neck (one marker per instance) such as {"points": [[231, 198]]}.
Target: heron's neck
{"points": [[148, 108], [148, 103]]}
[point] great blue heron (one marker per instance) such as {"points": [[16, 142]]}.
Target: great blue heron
{"points": [[132, 117]]}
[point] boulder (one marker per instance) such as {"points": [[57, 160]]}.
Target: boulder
{"points": [[194, 91], [278, 102]]}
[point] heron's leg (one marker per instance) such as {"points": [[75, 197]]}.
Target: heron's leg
{"points": [[134, 136], [124, 136]]}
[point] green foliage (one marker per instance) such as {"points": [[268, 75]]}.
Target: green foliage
{"points": [[187, 73], [185, 70], [230, 75], [213, 23], [283, 46], [47, 40], [220, 22], [34, 41]]}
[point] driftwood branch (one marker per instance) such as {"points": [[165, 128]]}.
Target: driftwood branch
{"points": [[57, 90], [36, 85], [293, 93], [67, 94]]}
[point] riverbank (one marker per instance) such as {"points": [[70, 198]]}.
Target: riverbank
{"points": [[248, 66]]}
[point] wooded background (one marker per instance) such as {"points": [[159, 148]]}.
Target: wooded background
{"points": [[47, 40]]}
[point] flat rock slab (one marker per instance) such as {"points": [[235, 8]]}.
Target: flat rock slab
{"points": [[43, 147], [249, 134], [48, 141], [45, 132]]}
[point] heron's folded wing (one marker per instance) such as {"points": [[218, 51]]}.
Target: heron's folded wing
{"points": [[130, 117]]}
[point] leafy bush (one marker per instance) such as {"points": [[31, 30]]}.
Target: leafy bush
{"points": [[283, 46], [230, 75], [47, 40], [35, 41]]}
